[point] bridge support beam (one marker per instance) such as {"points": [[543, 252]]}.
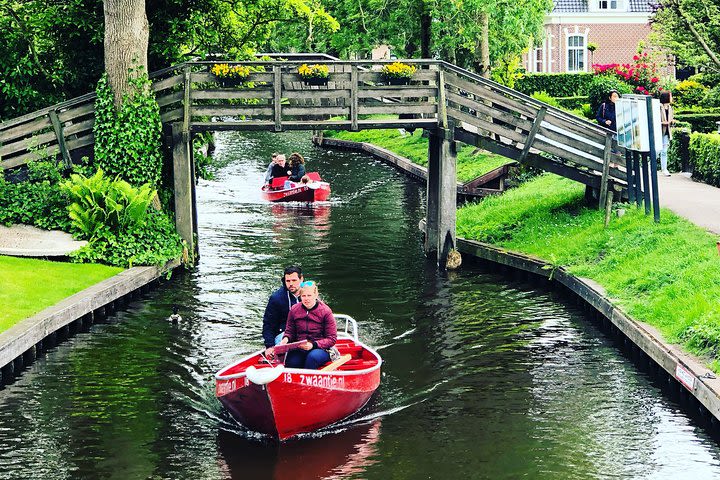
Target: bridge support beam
{"points": [[183, 183], [441, 196]]}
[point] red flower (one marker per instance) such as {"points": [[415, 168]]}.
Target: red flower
{"points": [[654, 80], [636, 58]]}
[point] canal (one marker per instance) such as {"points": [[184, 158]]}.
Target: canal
{"points": [[483, 377]]}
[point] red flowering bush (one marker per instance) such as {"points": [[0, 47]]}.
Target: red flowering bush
{"points": [[641, 75]]}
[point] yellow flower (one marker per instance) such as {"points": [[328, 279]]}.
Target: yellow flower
{"points": [[313, 71], [398, 70]]}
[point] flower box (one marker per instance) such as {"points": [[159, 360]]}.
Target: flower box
{"points": [[319, 81], [398, 73], [230, 75]]}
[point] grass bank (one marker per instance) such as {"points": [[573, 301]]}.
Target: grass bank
{"points": [[471, 162], [665, 274], [29, 285]]}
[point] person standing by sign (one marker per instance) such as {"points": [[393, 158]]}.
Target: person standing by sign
{"points": [[606, 111], [666, 120]]}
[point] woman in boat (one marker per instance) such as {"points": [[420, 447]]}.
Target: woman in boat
{"points": [[296, 164], [313, 321]]}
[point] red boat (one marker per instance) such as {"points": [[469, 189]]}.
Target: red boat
{"points": [[283, 190], [284, 402]]}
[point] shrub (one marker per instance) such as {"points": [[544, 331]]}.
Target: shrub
{"points": [[555, 84], [599, 88], [712, 98], [679, 148], [118, 222], [545, 97], [640, 75], [127, 140], [705, 157], [33, 197], [689, 93], [572, 102], [700, 122]]}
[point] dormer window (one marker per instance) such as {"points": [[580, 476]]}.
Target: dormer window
{"points": [[610, 5]]}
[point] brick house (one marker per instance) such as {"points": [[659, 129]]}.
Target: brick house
{"points": [[615, 26]]}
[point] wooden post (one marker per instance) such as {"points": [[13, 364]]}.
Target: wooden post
{"points": [[531, 134], [442, 103], [182, 174], [442, 196], [57, 126], [354, 98], [606, 170], [277, 97], [608, 207], [630, 175], [637, 175], [646, 182]]}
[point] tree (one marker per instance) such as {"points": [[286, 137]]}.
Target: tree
{"points": [[127, 34], [691, 30]]}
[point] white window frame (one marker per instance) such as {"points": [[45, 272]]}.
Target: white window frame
{"points": [[610, 5], [581, 50]]}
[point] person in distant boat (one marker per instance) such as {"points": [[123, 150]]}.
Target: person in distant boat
{"points": [[279, 304], [280, 169], [313, 321], [268, 171], [296, 165]]}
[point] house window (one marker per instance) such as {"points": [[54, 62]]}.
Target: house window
{"points": [[539, 64], [576, 53]]}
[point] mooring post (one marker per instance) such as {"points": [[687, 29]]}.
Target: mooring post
{"points": [[182, 173], [441, 196]]}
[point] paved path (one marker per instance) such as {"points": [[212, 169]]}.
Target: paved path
{"points": [[698, 202], [27, 241]]}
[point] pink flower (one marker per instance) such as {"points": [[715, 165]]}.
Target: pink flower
{"points": [[654, 80], [636, 58]]}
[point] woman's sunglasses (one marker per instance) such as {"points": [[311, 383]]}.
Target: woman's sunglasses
{"points": [[308, 283]]}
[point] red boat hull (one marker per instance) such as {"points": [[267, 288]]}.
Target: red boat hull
{"points": [[299, 400], [299, 193]]}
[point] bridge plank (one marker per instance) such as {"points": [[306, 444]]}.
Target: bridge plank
{"points": [[25, 129], [223, 94], [170, 82], [485, 125], [220, 110], [394, 108], [313, 110], [394, 92], [170, 98], [76, 112], [515, 120]]}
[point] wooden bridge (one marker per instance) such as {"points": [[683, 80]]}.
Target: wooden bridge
{"points": [[453, 104]]}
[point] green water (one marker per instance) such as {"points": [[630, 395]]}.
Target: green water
{"points": [[483, 377]]}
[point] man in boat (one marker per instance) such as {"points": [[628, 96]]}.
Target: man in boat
{"points": [[313, 321], [276, 311], [279, 169], [268, 171]]}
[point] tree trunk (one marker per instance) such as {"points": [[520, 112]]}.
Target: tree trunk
{"points": [[485, 45], [425, 33], [126, 43]]}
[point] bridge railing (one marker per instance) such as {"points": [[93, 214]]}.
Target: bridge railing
{"points": [[275, 98]]}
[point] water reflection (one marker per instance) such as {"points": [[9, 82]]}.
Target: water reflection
{"points": [[341, 454]]}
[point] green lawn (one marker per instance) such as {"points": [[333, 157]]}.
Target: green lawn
{"points": [[665, 274], [29, 286], [471, 163]]}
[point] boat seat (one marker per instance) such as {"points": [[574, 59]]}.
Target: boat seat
{"points": [[358, 365]]}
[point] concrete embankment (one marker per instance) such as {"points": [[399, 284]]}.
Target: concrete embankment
{"points": [[686, 371], [22, 343]]}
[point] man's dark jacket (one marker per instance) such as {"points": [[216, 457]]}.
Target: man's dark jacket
{"points": [[276, 314]]}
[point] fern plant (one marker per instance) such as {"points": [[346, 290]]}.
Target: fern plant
{"points": [[101, 203]]}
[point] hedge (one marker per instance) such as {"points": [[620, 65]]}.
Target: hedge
{"points": [[572, 102], [705, 157], [701, 122], [679, 150], [555, 84]]}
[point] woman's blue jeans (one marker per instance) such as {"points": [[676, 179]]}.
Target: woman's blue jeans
{"points": [[311, 360]]}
